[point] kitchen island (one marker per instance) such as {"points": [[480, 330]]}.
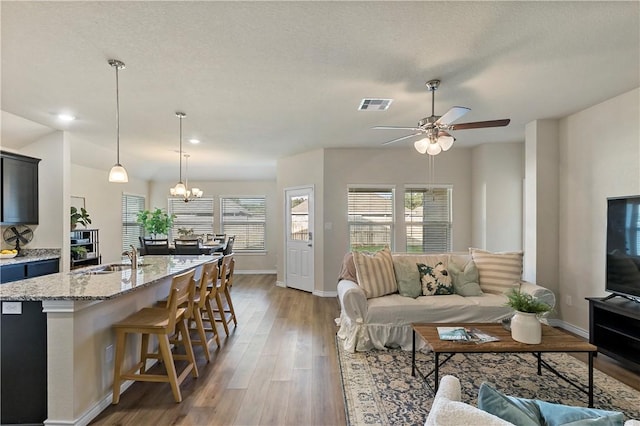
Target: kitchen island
{"points": [[80, 307]]}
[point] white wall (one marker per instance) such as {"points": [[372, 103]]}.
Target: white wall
{"points": [[497, 196], [599, 158]]}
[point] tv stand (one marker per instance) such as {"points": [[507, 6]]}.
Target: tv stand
{"points": [[614, 327]]}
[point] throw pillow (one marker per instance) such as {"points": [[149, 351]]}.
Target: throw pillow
{"points": [[375, 273], [435, 280], [407, 276], [465, 279], [523, 411], [348, 271], [498, 272]]}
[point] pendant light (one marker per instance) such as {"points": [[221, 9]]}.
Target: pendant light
{"points": [[118, 173], [181, 190]]}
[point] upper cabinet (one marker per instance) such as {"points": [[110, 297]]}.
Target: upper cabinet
{"points": [[19, 201]]}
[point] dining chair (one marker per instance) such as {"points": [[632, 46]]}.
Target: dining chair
{"points": [[228, 249], [156, 247], [190, 247], [164, 323]]}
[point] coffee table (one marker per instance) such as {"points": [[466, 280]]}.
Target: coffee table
{"points": [[553, 340]]}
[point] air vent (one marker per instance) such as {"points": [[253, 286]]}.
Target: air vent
{"points": [[375, 104]]}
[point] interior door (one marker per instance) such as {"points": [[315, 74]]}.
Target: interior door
{"points": [[299, 238]]}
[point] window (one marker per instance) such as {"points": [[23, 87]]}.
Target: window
{"points": [[428, 219], [131, 230], [370, 218], [196, 215], [246, 218]]}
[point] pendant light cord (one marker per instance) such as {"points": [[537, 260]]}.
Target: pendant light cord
{"points": [[117, 118], [180, 147]]}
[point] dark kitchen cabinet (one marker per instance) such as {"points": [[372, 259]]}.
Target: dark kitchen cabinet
{"points": [[36, 268], [19, 201]]}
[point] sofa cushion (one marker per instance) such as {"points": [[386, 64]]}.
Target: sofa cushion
{"points": [[435, 279], [465, 279], [498, 272], [407, 276], [375, 273], [532, 412], [348, 271]]}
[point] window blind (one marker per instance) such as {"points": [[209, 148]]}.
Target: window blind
{"points": [[196, 215], [370, 217], [428, 219], [131, 230], [246, 218]]}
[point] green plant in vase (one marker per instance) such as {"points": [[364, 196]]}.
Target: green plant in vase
{"points": [[78, 252], [156, 222], [525, 325], [79, 217]]}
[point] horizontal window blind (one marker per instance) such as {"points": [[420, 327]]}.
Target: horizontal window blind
{"points": [[428, 220], [246, 218], [196, 215], [131, 230], [370, 216]]}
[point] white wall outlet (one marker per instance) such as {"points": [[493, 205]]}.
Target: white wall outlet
{"points": [[568, 300], [12, 308], [108, 354]]}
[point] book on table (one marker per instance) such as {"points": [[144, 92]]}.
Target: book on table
{"points": [[462, 334]]}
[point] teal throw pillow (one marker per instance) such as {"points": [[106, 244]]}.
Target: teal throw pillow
{"points": [[435, 280], [530, 412], [465, 279], [407, 277]]}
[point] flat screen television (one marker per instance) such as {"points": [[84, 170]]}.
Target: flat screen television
{"points": [[623, 246]]}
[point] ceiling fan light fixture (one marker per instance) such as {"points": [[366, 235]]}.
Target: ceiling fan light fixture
{"points": [[446, 142], [434, 148], [421, 145]]}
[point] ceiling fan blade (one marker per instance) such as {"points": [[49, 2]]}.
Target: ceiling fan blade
{"points": [[452, 115], [394, 128], [480, 124], [400, 139]]}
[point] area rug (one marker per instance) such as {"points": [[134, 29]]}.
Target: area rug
{"points": [[379, 389]]}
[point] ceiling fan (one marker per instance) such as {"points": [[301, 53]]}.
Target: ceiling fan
{"points": [[436, 128]]}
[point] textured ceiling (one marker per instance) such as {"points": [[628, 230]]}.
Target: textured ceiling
{"points": [[265, 80]]}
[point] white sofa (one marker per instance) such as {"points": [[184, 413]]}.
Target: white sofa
{"points": [[380, 322], [448, 410]]}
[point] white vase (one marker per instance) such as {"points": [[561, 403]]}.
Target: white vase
{"points": [[526, 328]]}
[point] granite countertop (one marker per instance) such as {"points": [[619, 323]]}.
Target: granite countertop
{"points": [[81, 284], [32, 255]]}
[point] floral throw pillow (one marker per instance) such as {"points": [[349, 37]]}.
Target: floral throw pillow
{"points": [[435, 280]]}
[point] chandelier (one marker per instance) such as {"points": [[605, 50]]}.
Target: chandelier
{"points": [[181, 190]]}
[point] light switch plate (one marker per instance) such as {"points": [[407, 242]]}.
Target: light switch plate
{"points": [[11, 308]]}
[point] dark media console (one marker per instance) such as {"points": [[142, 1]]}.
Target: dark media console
{"points": [[614, 327]]}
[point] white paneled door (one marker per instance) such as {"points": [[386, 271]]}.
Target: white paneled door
{"points": [[299, 238]]}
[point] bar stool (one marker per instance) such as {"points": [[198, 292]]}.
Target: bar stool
{"points": [[224, 282], [202, 310], [162, 322]]}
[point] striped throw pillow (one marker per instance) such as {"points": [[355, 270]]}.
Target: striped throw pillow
{"points": [[498, 272], [375, 273]]}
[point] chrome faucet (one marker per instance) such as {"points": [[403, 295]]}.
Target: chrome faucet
{"points": [[133, 256]]}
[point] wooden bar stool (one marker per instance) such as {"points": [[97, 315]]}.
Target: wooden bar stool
{"points": [[202, 311], [162, 322], [225, 314]]}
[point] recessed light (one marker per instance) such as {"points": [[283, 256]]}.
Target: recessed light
{"points": [[66, 117], [194, 141]]}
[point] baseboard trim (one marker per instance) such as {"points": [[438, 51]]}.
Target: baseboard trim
{"points": [[325, 293], [256, 272], [569, 327]]}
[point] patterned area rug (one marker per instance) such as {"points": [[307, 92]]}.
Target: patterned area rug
{"points": [[379, 390]]}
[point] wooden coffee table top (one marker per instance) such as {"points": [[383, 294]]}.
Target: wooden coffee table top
{"points": [[553, 340]]}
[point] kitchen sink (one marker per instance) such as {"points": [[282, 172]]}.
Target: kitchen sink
{"points": [[111, 268]]}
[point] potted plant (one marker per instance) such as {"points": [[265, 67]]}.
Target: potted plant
{"points": [[78, 252], [525, 325], [79, 217], [187, 234], [156, 222]]}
